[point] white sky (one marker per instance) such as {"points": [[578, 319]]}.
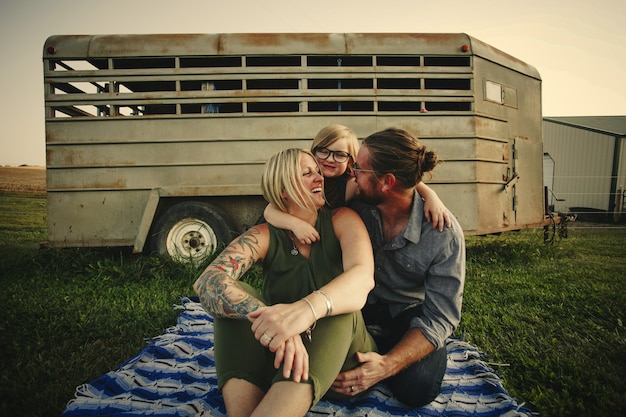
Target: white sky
{"points": [[578, 47]]}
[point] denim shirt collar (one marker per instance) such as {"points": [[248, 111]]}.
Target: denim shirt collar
{"points": [[413, 231]]}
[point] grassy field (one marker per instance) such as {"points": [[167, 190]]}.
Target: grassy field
{"points": [[549, 317]]}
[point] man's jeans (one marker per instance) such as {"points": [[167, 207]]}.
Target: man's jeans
{"points": [[420, 383]]}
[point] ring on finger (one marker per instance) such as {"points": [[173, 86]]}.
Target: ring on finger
{"points": [[351, 388], [266, 338]]}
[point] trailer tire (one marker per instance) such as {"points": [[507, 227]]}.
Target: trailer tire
{"points": [[191, 232]]}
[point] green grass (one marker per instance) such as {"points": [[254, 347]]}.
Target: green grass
{"points": [[550, 317], [553, 314]]}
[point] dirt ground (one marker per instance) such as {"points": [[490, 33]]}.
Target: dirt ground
{"points": [[23, 179]]}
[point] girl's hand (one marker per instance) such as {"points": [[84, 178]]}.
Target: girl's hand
{"points": [[435, 211], [305, 233]]}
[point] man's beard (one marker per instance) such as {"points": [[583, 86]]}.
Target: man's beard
{"points": [[367, 197]]}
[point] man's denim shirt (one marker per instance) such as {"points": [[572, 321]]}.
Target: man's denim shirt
{"points": [[421, 266]]}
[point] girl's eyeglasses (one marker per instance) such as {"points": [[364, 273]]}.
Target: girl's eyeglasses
{"points": [[325, 153]]}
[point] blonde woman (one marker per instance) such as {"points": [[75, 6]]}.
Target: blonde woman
{"points": [[277, 353]]}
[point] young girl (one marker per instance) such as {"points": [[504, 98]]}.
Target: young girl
{"points": [[335, 148]]}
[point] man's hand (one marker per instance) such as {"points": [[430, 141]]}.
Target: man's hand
{"points": [[371, 371]]}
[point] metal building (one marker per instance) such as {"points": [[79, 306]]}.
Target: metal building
{"points": [[588, 154]]}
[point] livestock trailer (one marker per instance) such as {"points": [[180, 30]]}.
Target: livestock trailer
{"points": [[158, 141]]}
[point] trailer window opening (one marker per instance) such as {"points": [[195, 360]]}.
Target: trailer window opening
{"points": [[340, 83], [223, 108], [80, 111], [147, 86], [339, 61], [399, 83], [448, 106], [341, 106], [273, 84], [398, 61], [144, 63], [447, 84], [77, 65], [274, 61], [151, 109], [447, 61], [78, 88], [212, 85], [210, 62], [389, 106], [274, 107]]}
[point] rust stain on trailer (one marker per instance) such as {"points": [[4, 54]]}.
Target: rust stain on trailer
{"points": [[279, 40], [263, 39]]}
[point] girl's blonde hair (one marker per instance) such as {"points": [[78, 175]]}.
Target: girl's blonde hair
{"points": [[282, 178], [330, 134]]}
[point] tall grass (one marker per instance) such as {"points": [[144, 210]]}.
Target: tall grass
{"points": [[549, 317]]}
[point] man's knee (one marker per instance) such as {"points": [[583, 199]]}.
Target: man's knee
{"points": [[417, 395], [420, 383]]}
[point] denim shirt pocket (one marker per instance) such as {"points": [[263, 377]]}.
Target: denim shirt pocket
{"points": [[411, 270]]}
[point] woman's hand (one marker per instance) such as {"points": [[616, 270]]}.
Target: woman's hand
{"points": [[294, 358], [273, 325], [278, 328]]}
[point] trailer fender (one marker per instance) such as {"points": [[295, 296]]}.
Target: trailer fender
{"points": [[147, 219]]}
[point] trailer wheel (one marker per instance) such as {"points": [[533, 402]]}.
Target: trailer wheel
{"points": [[190, 232]]}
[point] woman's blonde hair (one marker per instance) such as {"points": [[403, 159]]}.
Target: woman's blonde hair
{"points": [[332, 133], [282, 178]]}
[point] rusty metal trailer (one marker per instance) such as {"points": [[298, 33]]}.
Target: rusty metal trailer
{"points": [[158, 141]]}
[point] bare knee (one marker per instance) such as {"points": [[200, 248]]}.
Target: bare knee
{"points": [[241, 397]]}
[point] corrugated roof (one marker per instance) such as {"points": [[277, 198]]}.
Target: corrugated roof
{"points": [[611, 125]]}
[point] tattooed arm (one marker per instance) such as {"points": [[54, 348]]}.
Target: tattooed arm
{"points": [[218, 289]]}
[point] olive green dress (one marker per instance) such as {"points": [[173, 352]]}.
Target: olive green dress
{"points": [[289, 278]]}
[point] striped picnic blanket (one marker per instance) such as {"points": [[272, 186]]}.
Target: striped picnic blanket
{"points": [[175, 376]]}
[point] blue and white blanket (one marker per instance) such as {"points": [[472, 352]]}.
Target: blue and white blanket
{"points": [[175, 376]]}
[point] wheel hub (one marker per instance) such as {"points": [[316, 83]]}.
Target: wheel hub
{"points": [[191, 239]]}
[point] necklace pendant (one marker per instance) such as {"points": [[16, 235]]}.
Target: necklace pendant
{"points": [[294, 251]]}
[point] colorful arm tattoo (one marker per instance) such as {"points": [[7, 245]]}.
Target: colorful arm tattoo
{"points": [[218, 289]]}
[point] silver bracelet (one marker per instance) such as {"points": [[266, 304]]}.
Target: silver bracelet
{"points": [[308, 331], [329, 303]]}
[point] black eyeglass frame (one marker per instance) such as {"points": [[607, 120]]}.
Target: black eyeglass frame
{"points": [[338, 156]]}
